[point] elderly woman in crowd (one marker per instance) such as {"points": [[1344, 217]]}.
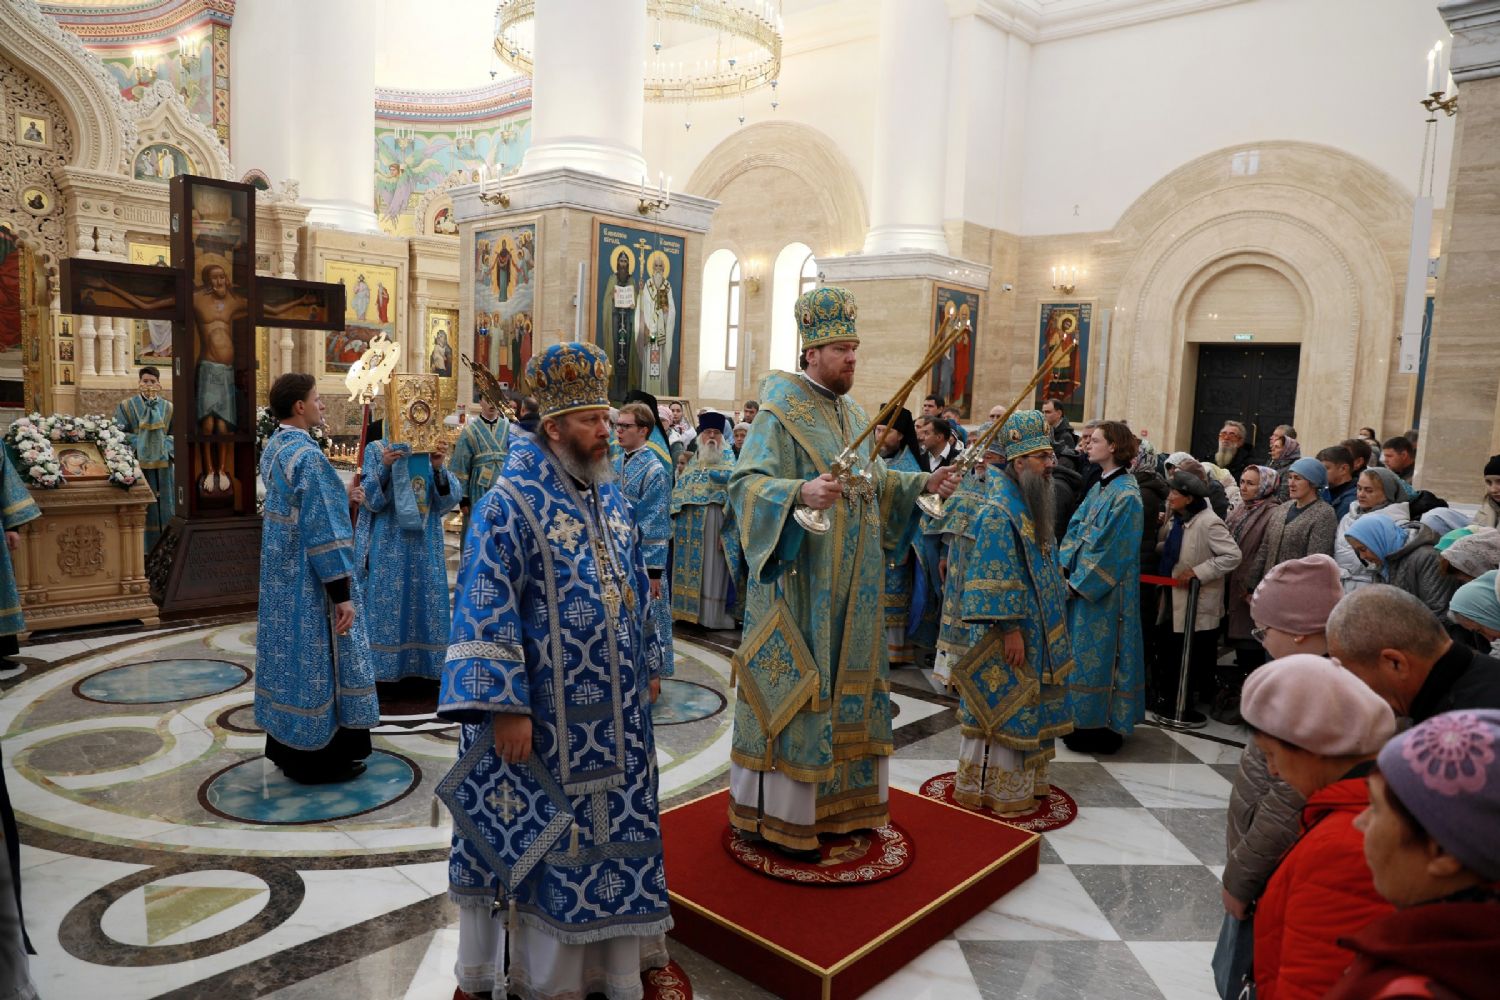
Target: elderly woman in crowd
{"points": [[1408, 562], [1290, 609], [1476, 608], [1469, 552], [1302, 527], [1284, 451], [1374, 490], [1489, 505], [1247, 522], [1429, 841], [1320, 728], [1217, 498], [1224, 478], [1194, 543]]}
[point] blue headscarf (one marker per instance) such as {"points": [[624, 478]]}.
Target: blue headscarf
{"points": [[1477, 601], [1313, 471], [1380, 535]]}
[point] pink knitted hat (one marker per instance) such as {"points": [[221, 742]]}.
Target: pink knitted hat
{"points": [[1297, 596], [1313, 703]]}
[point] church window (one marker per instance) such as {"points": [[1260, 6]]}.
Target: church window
{"points": [[732, 320]]}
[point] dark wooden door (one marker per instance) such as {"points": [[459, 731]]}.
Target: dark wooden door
{"points": [[1254, 385]]}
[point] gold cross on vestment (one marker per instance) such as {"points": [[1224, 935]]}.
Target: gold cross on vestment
{"points": [[505, 802]]}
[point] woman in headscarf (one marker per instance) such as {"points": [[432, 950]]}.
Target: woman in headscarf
{"points": [[1375, 490], [1153, 513], [1476, 607], [1224, 478], [1218, 499], [1410, 564], [1469, 553], [1284, 451], [1247, 523], [1301, 528]]}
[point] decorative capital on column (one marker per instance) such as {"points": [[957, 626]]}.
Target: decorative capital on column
{"points": [[1476, 38], [877, 266]]}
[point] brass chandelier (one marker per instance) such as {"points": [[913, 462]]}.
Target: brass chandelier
{"points": [[746, 53]]}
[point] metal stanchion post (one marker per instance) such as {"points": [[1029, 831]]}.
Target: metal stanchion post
{"points": [[1185, 717]]}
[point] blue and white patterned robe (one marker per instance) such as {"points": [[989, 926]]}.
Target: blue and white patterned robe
{"points": [[648, 489], [404, 571], [148, 422], [307, 682], [16, 508], [571, 836], [478, 459], [1101, 556]]}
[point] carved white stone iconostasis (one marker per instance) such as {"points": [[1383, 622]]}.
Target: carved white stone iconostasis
{"points": [[103, 179]]}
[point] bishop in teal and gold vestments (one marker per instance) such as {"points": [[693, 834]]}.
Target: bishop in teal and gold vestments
{"points": [[314, 687], [147, 420], [1101, 558], [553, 664], [1013, 681], [812, 724], [705, 546], [479, 457]]}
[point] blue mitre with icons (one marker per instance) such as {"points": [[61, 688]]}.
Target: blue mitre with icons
{"points": [[569, 377], [826, 316], [1024, 433]]}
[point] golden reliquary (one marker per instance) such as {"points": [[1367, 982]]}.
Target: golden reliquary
{"points": [[414, 416]]}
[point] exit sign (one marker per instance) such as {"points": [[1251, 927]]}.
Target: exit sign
{"points": [[1244, 336]]}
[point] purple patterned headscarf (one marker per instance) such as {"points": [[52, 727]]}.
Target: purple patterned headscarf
{"points": [[1446, 772]]}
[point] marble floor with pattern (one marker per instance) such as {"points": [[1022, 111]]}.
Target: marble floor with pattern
{"points": [[164, 857]]}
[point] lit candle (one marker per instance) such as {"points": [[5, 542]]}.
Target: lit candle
{"points": [[1449, 91], [1441, 63], [668, 189], [1054, 277], [1431, 68]]}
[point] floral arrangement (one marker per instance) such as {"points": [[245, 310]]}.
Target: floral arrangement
{"points": [[266, 424], [32, 439]]}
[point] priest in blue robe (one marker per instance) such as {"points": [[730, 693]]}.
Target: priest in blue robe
{"points": [[1101, 560], [401, 559], [479, 457], [1013, 683], [147, 420], [16, 509], [705, 546], [953, 535], [812, 727], [553, 666], [902, 569], [314, 687], [647, 487]]}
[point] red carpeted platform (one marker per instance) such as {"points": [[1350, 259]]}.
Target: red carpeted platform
{"points": [[808, 942]]}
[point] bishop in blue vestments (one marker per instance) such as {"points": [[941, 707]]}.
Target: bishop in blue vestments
{"points": [[552, 669], [1101, 559], [647, 487], [314, 689], [403, 566], [1013, 682], [147, 421]]}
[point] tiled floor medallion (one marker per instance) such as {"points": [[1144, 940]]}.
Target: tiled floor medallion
{"points": [[684, 701], [162, 681], [255, 791]]}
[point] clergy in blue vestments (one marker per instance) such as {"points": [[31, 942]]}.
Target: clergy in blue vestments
{"points": [[147, 420], [16, 508], [952, 534], [903, 570], [401, 560], [657, 440], [1013, 683], [705, 546], [478, 457], [314, 688], [812, 727], [647, 487], [557, 855], [1101, 560]]}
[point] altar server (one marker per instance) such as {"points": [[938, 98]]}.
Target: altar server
{"points": [[705, 545], [479, 457], [647, 487], [557, 854], [147, 420], [400, 556], [314, 688]]}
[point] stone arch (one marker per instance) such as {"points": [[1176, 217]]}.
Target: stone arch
{"points": [[1316, 215], [102, 125], [803, 151]]}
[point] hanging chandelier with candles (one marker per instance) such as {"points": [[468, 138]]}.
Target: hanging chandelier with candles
{"points": [[743, 50]]}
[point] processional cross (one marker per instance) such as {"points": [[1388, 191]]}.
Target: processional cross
{"points": [[214, 300]]}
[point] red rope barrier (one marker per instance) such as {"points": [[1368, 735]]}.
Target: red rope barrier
{"points": [[1161, 581]]}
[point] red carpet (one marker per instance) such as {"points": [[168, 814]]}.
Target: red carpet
{"points": [[803, 942], [849, 859], [1058, 811]]}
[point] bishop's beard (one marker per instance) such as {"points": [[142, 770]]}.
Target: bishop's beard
{"points": [[581, 466], [1036, 491], [1224, 456]]}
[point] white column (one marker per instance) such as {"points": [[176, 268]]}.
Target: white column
{"points": [[299, 111], [587, 102], [124, 346], [911, 126], [105, 355], [87, 335]]}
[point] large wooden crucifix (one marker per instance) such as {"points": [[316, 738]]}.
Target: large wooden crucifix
{"points": [[210, 554]]}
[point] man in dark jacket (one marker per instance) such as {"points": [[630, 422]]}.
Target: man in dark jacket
{"points": [[1392, 642], [1058, 426], [1067, 492], [1340, 466]]}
